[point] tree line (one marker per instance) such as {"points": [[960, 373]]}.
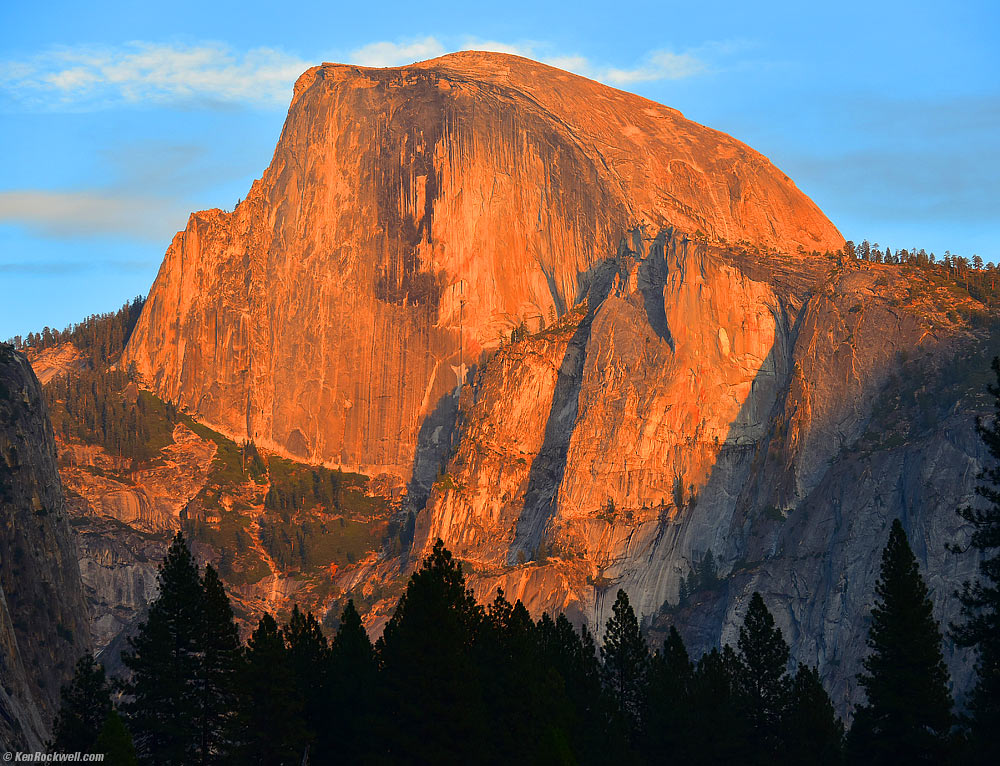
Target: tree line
{"points": [[102, 337], [979, 278]]}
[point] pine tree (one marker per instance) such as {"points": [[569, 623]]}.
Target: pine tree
{"points": [[908, 715], [432, 706], [350, 705], [625, 658], [666, 726], [573, 656], [981, 599], [163, 707], [115, 743], [717, 730], [270, 710], [221, 657], [309, 659], [812, 733], [762, 678], [525, 697], [85, 703]]}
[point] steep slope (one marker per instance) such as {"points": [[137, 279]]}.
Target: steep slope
{"points": [[43, 618], [409, 218], [778, 411]]}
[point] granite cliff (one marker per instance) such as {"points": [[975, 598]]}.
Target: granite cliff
{"points": [[694, 365], [410, 217], [43, 617]]}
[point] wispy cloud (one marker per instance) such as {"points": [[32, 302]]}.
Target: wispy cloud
{"points": [[384, 53], [212, 73], [145, 72], [68, 214], [76, 267]]}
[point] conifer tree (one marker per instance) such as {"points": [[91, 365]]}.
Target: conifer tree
{"points": [[525, 696], [85, 703], [573, 656], [666, 725], [908, 715], [432, 705], [717, 727], [270, 710], [115, 743], [980, 599], [163, 707], [346, 735], [625, 658], [221, 656], [762, 678], [812, 733], [309, 659]]}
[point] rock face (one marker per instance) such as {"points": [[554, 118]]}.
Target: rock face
{"points": [[408, 218], [692, 373], [779, 411], [43, 618], [124, 520]]}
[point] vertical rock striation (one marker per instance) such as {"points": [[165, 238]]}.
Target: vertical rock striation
{"points": [[410, 216], [43, 617]]}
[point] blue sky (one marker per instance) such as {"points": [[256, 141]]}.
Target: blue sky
{"points": [[119, 119]]}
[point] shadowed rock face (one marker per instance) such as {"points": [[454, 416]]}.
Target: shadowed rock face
{"points": [[779, 411], [408, 218], [43, 617], [686, 393]]}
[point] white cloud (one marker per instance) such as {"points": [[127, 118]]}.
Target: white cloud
{"points": [[98, 77], [67, 214], [660, 65], [385, 54], [143, 72]]}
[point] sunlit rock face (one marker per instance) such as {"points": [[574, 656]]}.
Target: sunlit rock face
{"points": [[410, 216], [779, 411], [691, 375], [43, 617]]}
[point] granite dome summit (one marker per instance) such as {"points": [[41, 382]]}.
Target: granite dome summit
{"points": [[409, 217]]}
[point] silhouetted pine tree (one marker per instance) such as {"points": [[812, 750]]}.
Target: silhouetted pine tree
{"points": [[221, 657], [163, 701], [270, 709], [762, 679], [717, 725], [574, 658], [625, 669], [525, 696], [908, 715], [346, 736], [981, 599], [811, 731], [666, 726], [309, 659], [431, 708], [115, 742], [85, 704]]}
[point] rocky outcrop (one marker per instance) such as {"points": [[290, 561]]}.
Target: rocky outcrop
{"points": [[124, 519], [43, 618], [779, 411], [409, 218], [690, 371]]}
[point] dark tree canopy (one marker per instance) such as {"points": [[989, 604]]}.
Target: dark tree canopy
{"points": [[908, 715], [762, 678], [85, 704]]}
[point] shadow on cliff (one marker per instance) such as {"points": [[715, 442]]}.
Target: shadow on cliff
{"points": [[547, 468]]}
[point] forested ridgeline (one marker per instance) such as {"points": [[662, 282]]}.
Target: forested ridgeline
{"points": [[102, 337]]}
